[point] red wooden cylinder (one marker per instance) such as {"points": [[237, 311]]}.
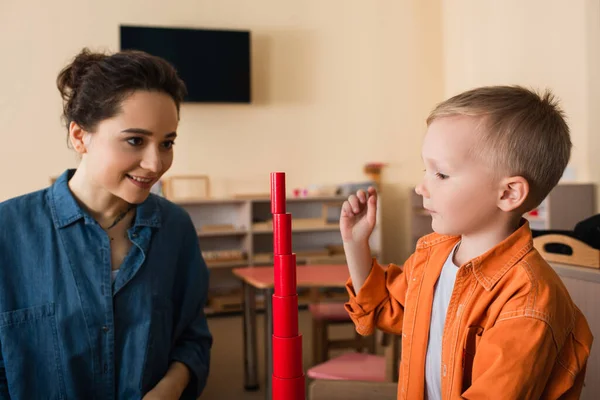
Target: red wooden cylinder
{"points": [[287, 360], [277, 193], [282, 234], [288, 389], [285, 274], [285, 316]]}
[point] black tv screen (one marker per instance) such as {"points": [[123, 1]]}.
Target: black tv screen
{"points": [[214, 64]]}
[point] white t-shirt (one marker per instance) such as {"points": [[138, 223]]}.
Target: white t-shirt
{"points": [[113, 274], [441, 299]]}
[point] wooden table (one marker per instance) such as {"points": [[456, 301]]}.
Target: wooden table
{"points": [[262, 279], [583, 284]]}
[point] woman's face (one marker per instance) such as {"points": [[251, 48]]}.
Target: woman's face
{"points": [[129, 152]]}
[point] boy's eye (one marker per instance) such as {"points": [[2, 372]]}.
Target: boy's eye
{"points": [[169, 144], [135, 141], [441, 176]]}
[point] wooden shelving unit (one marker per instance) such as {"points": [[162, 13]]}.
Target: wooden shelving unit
{"points": [[244, 226]]}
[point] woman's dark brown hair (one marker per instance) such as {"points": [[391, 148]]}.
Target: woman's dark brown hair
{"points": [[94, 85]]}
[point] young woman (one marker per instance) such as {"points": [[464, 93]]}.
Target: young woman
{"points": [[102, 284]]}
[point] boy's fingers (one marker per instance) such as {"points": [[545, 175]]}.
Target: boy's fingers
{"points": [[372, 209], [353, 200], [372, 192], [347, 209], [362, 196]]}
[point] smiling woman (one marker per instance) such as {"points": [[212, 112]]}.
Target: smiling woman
{"points": [[106, 279]]}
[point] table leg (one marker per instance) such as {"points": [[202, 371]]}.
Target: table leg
{"points": [[268, 343], [249, 322]]}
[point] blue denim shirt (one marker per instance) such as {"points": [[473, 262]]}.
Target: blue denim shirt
{"points": [[66, 332]]}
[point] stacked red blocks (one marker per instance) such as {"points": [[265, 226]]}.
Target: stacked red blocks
{"points": [[288, 376]]}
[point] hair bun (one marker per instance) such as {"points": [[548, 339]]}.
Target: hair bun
{"points": [[71, 76]]}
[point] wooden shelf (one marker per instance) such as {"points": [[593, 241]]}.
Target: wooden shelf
{"points": [[232, 225], [323, 227], [304, 199]]}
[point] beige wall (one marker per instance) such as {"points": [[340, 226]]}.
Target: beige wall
{"points": [[536, 43], [337, 83]]}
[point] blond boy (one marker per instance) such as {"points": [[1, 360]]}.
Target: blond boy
{"points": [[481, 314]]}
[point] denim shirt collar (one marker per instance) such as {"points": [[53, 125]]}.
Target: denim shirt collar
{"points": [[66, 210]]}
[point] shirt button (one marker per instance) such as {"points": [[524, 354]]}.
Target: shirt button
{"points": [[105, 329], [445, 370], [134, 235], [105, 368]]}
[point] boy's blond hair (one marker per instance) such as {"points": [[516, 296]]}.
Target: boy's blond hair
{"points": [[522, 134]]}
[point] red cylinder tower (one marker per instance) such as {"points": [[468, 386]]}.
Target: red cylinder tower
{"points": [[288, 376]]}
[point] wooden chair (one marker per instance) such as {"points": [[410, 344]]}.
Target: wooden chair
{"points": [[581, 253], [358, 375], [325, 314]]}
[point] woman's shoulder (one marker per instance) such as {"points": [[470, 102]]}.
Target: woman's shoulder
{"points": [[26, 204]]}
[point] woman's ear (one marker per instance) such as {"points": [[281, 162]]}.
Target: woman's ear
{"points": [[80, 139], [514, 191]]}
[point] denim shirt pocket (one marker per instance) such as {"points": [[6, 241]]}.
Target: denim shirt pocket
{"points": [[31, 354], [160, 343]]}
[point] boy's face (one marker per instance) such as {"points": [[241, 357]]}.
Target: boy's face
{"points": [[458, 188]]}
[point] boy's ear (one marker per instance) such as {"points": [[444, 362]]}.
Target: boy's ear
{"points": [[513, 193], [80, 139]]}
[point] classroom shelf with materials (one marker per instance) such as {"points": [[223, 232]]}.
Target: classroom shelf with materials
{"points": [[237, 232]]}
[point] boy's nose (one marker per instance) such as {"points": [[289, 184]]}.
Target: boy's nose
{"points": [[421, 191]]}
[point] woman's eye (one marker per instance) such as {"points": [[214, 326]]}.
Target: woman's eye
{"points": [[135, 141], [168, 144], [441, 176]]}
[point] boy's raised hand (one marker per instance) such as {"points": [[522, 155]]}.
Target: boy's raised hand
{"points": [[358, 216]]}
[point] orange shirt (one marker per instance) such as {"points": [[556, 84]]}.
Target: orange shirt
{"points": [[511, 332]]}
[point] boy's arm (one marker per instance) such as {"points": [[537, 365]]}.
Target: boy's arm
{"points": [[376, 295], [380, 301], [516, 357]]}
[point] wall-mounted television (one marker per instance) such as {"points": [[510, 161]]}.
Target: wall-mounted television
{"points": [[214, 64]]}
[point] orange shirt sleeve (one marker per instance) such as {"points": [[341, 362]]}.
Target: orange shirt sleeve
{"points": [[380, 301]]}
